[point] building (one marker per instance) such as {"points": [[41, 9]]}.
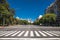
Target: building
{"points": [[50, 8], [55, 8]]}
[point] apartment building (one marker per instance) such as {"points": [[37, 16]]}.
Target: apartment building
{"points": [[55, 8]]}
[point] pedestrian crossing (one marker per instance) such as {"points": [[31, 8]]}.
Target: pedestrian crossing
{"points": [[37, 34], [42, 33], [26, 34], [29, 33], [48, 33]]}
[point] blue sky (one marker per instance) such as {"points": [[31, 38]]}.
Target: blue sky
{"points": [[29, 9]]}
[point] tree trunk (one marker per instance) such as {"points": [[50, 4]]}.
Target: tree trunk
{"points": [[4, 21]]}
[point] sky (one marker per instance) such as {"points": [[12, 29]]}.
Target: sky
{"points": [[29, 9]]}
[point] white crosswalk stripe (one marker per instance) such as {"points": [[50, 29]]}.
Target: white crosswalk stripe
{"points": [[31, 34], [26, 34], [5, 33], [48, 33], [54, 34], [15, 33], [21, 33], [37, 34], [10, 33], [42, 33]]}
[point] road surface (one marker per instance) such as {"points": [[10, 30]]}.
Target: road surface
{"points": [[29, 31]]}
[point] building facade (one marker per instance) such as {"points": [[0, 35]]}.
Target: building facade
{"points": [[55, 8]]}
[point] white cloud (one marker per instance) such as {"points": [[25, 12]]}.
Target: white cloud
{"points": [[17, 17], [22, 19], [29, 20], [39, 16]]}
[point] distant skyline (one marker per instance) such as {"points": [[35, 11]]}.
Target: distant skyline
{"points": [[29, 9]]}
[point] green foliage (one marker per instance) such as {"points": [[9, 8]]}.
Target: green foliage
{"points": [[36, 22], [6, 13], [48, 19], [21, 22]]}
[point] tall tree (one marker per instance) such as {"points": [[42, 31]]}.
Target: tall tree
{"points": [[6, 12], [48, 19]]}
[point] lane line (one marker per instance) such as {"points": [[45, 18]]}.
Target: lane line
{"points": [[37, 34], [42, 33], [21, 33], [31, 34], [15, 33], [48, 33], [26, 34]]}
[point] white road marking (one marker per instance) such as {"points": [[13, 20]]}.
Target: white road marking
{"points": [[26, 34], [31, 34], [10, 33], [42, 33], [16, 33], [5, 33], [29, 38], [54, 34], [37, 34], [21, 33], [47, 33]]}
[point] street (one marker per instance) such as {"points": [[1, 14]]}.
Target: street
{"points": [[29, 31]]}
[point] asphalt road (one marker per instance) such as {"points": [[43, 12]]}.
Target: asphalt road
{"points": [[29, 31], [30, 28]]}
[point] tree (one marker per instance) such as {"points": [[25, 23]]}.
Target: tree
{"points": [[36, 22], [6, 13], [48, 19], [23, 22]]}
